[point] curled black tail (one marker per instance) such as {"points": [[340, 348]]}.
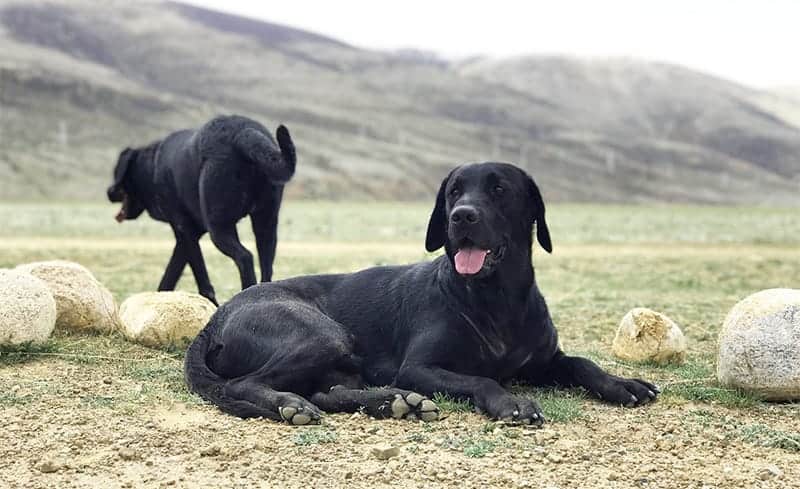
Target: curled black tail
{"points": [[277, 164], [207, 384]]}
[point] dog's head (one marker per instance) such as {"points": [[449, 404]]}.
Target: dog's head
{"points": [[121, 190], [485, 212]]}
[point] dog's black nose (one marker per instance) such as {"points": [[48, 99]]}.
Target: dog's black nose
{"points": [[465, 214]]}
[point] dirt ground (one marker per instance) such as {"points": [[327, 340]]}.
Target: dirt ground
{"points": [[72, 428], [98, 411]]}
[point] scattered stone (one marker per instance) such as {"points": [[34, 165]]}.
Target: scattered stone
{"points": [[769, 472], [210, 451], [649, 336], [126, 453], [83, 303], [49, 465], [554, 457], [384, 451], [164, 319], [27, 309], [759, 345]]}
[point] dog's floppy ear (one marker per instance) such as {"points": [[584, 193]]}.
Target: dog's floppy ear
{"points": [[537, 210], [115, 192], [437, 225], [123, 162]]}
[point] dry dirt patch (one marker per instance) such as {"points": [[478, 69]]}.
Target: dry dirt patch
{"points": [[93, 424]]}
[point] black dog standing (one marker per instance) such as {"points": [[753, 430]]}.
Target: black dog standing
{"points": [[206, 180], [463, 324]]}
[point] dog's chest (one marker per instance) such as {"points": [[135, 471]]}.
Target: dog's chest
{"points": [[500, 346]]}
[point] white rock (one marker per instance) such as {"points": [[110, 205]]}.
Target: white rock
{"points": [[759, 345], [164, 319], [646, 335], [83, 303], [27, 309]]}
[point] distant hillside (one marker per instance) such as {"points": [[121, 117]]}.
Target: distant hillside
{"points": [[81, 80]]}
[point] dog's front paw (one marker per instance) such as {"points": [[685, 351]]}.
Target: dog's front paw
{"points": [[515, 409], [627, 392]]}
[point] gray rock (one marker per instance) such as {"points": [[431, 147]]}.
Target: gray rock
{"points": [[384, 451], [162, 319], [759, 345], [82, 302], [49, 465], [126, 453], [27, 309]]}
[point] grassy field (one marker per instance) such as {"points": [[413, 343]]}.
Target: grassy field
{"points": [[691, 263]]}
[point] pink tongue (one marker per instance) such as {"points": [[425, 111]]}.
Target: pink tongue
{"points": [[469, 260]]}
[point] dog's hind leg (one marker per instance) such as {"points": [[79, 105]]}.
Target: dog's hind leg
{"points": [[227, 240], [381, 403], [256, 399]]}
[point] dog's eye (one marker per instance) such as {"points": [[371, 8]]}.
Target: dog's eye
{"points": [[455, 192], [498, 189]]}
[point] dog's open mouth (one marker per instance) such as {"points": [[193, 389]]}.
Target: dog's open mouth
{"points": [[123, 212], [471, 259]]}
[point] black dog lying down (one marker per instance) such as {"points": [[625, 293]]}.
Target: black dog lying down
{"points": [[207, 180], [463, 324]]}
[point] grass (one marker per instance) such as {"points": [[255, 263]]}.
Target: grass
{"points": [[314, 436], [766, 436], [477, 448], [691, 263], [560, 406], [449, 404]]}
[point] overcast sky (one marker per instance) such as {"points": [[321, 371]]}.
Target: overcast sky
{"points": [[750, 41]]}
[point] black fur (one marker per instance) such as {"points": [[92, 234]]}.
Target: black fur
{"points": [[422, 327], [206, 180]]}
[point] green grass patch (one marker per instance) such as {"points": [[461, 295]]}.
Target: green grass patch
{"points": [[450, 404], [712, 393], [558, 405], [314, 436], [417, 437], [474, 446], [762, 435], [477, 448], [697, 382], [13, 354]]}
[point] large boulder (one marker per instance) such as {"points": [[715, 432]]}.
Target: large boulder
{"points": [[27, 309], [645, 335], [164, 319], [759, 345], [83, 303]]}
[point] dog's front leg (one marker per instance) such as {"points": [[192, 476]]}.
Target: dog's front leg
{"points": [[485, 393], [172, 274], [577, 371]]}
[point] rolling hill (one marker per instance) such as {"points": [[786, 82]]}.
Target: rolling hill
{"points": [[81, 80]]}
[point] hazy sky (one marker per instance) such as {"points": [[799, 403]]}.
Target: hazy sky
{"points": [[750, 41]]}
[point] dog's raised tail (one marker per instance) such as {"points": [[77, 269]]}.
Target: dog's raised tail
{"points": [[277, 164], [207, 384]]}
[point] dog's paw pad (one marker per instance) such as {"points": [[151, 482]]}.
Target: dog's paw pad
{"points": [[299, 415], [421, 408], [414, 399], [400, 407]]}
